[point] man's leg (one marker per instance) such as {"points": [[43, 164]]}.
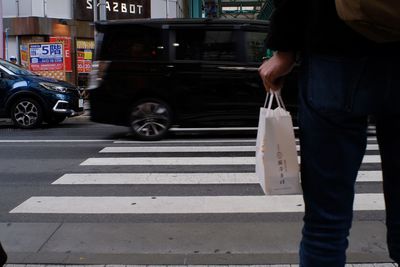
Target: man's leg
{"points": [[388, 133], [388, 130], [3, 256], [332, 143]]}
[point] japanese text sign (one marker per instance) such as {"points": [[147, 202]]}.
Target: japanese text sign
{"points": [[46, 57], [66, 41]]}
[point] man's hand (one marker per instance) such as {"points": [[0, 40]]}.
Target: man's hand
{"points": [[273, 70]]}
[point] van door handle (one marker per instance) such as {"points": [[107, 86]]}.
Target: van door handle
{"points": [[239, 68], [170, 66]]}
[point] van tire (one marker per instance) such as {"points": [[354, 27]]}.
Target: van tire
{"points": [[150, 119], [26, 113]]}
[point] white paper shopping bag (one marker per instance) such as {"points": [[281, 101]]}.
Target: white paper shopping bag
{"points": [[277, 164]]}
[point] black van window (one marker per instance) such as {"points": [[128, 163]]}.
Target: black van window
{"points": [[255, 46], [219, 46], [137, 44], [188, 44], [205, 45]]}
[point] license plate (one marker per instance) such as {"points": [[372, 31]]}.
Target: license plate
{"points": [[81, 103]]}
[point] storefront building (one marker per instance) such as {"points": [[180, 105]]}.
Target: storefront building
{"points": [[70, 22]]}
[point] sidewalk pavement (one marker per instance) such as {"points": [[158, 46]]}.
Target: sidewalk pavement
{"points": [[284, 265]]}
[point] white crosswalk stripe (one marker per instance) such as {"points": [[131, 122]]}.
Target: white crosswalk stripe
{"points": [[154, 204], [178, 205], [188, 160], [125, 149], [178, 149], [180, 178], [203, 141]]}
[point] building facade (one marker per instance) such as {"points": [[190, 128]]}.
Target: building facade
{"points": [[70, 22]]}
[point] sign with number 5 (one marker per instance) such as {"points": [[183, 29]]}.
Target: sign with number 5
{"points": [[46, 57]]}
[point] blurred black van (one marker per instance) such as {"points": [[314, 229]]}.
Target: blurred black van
{"points": [[153, 74]]}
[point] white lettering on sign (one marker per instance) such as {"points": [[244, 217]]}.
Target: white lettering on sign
{"points": [[89, 4], [118, 7]]}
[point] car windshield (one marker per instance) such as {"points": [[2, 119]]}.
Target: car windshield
{"points": [[16, 69]]}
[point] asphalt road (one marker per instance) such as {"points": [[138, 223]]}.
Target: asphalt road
{"points": [[87, 223]]}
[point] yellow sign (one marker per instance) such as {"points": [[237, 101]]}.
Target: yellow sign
{"points": [[88, 55], [84, 44]]}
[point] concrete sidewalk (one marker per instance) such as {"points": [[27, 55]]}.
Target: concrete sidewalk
{"points": [[175, 243]]}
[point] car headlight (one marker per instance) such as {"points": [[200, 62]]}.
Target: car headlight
{"points": [[54, 87]]}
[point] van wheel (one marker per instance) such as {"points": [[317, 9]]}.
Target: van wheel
{"points": [[26, 113], [150, 119]]}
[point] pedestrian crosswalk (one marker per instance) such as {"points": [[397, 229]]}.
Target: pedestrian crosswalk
{"points": [[174, 157]]}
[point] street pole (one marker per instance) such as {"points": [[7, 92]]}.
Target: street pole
{"points": [[45, 8], [6, 55], [95, 18], [166, 9], [94, 10], [103, 14], [1, 30]]}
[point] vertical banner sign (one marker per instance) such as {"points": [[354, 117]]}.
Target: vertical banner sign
{"points": [[47, 59], [85, 49], [66, 41], [23, 51], [80, 61], [85, 61]]}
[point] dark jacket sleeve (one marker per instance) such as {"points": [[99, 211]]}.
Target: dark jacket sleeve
{"points": [[287, 28]]}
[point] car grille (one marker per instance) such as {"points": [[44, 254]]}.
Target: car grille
{"points": [[74, 91]]}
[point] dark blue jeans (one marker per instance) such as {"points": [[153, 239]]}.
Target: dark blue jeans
{"points": [[337, 94]]}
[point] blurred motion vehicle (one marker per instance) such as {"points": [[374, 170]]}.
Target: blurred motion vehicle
{"points": [[153, 74], [29, 99]]}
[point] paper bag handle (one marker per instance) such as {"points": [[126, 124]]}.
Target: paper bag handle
{"points": [[271, 95]]}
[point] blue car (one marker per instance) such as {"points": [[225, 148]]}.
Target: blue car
{"points": [[30, 99]]}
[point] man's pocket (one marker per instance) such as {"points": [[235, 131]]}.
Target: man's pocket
{"points": [[333, 82]]}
